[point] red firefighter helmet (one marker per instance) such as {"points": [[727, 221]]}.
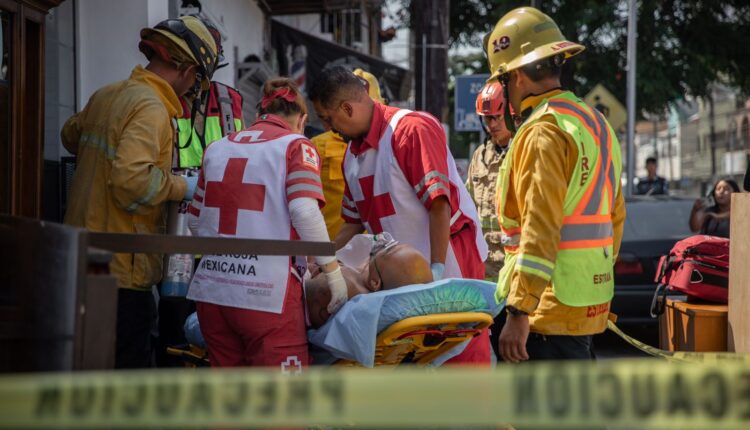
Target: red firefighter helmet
{"points": [[490, 100]]}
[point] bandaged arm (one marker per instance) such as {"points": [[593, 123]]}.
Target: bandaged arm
{"points": [[308, 221]]}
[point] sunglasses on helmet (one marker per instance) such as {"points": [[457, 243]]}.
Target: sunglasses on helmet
{"points": [[198, 47]]}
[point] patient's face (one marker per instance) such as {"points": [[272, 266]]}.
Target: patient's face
{"points": [[389, 268]]}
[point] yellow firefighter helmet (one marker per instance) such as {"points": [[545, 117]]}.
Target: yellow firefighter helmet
{"points": [[524, 36]]}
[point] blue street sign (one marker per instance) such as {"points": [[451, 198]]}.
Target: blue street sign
{"points": [[465, 116]]}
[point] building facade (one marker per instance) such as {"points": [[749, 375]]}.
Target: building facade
{"points": [[698, 141], [91, 43]]}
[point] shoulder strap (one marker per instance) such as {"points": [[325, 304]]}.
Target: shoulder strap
{"points": [[225, 108]]}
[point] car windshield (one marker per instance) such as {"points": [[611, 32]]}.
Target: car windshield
{"points": [[657, 219]]}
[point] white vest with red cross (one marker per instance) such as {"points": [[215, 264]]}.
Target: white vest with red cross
{"points": [[377, 183], [245, 196]]}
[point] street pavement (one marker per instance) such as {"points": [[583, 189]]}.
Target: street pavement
{"points": [[608, 345]]}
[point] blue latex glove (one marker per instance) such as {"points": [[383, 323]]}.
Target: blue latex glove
{"points": [[192, 182], [437, 271]]}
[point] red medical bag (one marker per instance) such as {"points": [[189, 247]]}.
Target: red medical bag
{"points": [[697, 266]]}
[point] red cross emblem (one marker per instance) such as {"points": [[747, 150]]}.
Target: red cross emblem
{"points": [[374, 208], [231, 194], [292, 366], [309, 156]]}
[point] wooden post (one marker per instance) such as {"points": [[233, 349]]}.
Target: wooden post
{"points": [[739, 275]]}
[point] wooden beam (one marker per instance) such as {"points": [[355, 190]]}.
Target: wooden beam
{"points": [[294, 7], [739, 275], [168, 244]]}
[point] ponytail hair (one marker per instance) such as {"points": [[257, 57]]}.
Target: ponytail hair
{"points": [[281, 96]]}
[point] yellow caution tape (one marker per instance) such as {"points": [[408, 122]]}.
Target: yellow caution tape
{"points": [[683, 356], [643, 393]]}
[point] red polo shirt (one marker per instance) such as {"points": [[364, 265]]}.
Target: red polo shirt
{"points": [[421, 150]]}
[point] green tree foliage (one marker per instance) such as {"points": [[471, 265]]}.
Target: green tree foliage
{"points": [[683, 46]]}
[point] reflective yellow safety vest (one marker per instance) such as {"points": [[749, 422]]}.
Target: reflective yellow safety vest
{"points": [[582, 275], [223, 116]]}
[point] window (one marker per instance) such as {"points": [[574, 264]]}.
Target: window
{"points": [[5, 43], [21, 109], [5, 109], [345, 27]]}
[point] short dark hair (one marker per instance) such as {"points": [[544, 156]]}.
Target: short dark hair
{"points": [[545, 68], [650, 160], [335, 83]]}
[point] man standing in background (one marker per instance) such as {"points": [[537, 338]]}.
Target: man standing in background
{"points": [[652, 184], [481, 180]]}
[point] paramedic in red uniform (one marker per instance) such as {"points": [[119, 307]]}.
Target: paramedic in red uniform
{"points": [[401, 178], [261, 183]]}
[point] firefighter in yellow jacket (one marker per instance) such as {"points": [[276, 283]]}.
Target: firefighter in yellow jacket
{"points": [[123, 140], [560, 205], [332, 148], [481, 181]]}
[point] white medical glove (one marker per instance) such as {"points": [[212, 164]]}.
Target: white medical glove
{"points": [[192, 182], [437, 271], [338, 288]]}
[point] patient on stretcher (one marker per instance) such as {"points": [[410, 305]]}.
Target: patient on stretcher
{"points": [[390, 265], [368, 264], [376, 264]]}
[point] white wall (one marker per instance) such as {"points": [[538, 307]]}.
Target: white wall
{"points": [[241, 21], [107, 40], [60, 79], [396, 51], [309, 23], [108, 35], [103, 48]]}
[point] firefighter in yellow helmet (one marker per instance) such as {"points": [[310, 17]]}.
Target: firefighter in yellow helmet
{"points": [[371, 83], [207, 119], [560, 205], [332, 148], [123, 140]]}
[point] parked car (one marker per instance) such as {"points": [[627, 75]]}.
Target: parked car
{"points": [[652, 226]]}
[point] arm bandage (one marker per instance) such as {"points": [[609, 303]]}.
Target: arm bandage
{"points": [[309, 223]]}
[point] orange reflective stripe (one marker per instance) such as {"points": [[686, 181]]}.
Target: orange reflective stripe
{"points": [[610, 172], [582, 244], [586, 219], [604, 162], [569, 108], [511, 231], [603, 173]]}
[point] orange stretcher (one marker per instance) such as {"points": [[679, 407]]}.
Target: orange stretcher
{"points": [[420, 340]]}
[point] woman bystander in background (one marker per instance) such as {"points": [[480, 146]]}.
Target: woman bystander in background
{"points": [[711, 215]]}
